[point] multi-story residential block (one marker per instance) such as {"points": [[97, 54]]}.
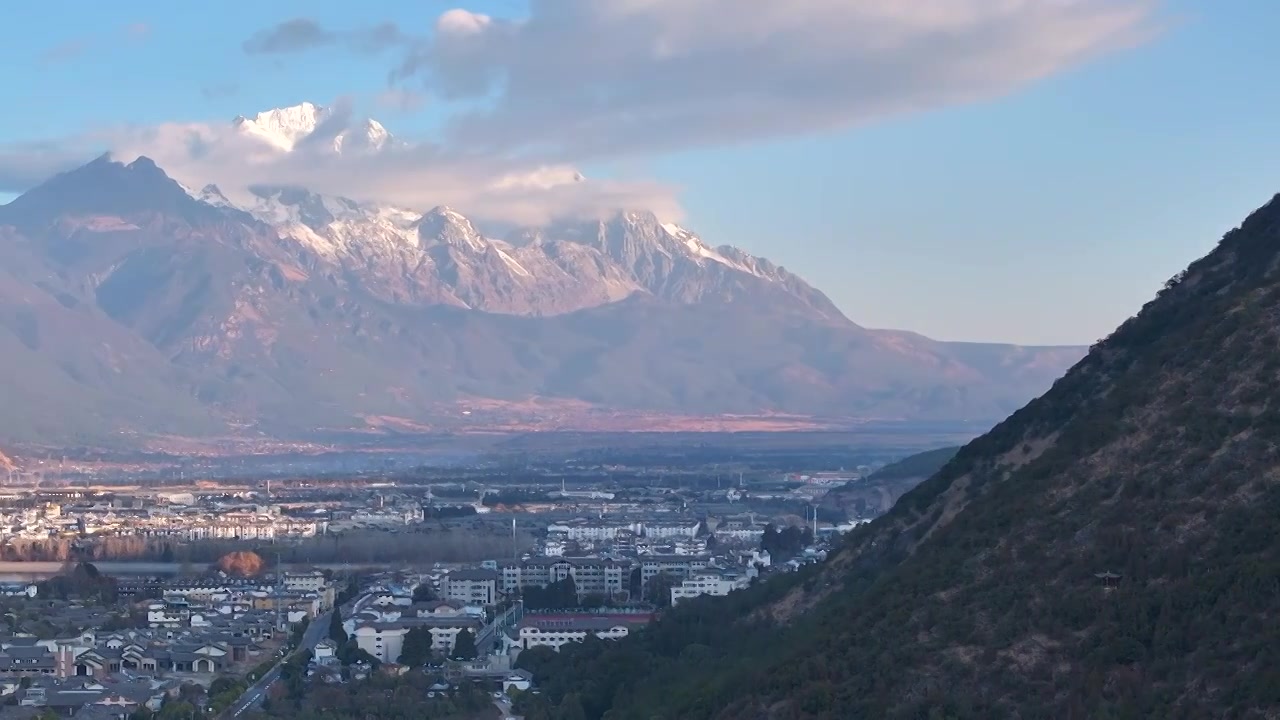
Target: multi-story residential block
{"points": [[599, 531], [384, 640], [677, 566], [312, 581], [708, 583], [600, 577], [591, 576], [477, 587], [554, 631], [666, 531]]}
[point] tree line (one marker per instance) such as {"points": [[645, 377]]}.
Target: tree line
{"points": [[431, 545]]}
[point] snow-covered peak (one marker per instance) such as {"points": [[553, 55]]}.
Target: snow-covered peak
{"points": [[693, 244], [283, 128], [677, 232], [373, 135], [286, 129], [276, 204], [444, 225], [212, 195], [448, 214], [332, 226]]}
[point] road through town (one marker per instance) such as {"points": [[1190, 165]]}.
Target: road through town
{"points": [[315, 633]]}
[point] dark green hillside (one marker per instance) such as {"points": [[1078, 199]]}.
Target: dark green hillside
{"points": [[877, 493], [920, 465], [1155, 458]]}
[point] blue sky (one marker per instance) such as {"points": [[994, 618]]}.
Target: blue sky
{"points": [[1043, 214]]}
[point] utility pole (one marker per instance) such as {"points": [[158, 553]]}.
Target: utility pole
{"points": [[515, 548], [279, 589]]}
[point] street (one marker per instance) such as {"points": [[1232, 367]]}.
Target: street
{"points": [[488, 636], [315, 632], [504, 707]]}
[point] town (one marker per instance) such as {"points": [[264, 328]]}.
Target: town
{"points": [[240, 599]]}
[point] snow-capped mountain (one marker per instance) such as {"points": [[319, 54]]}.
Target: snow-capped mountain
{"points": [[130, 305], [437, 257], [307, 124], [440, 256]]}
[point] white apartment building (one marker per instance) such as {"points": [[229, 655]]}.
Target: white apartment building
{"points": [[716, 584], [472, 587], [668, 531], [587, 531], [229, 528], [605, 531], [591, 576], [385, 640], [740, 532], [313, 581], [554, 632], [400, 515], [677, 566]]}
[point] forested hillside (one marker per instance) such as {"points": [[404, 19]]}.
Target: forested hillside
{"points": [[876, 494], [1112, 550]]}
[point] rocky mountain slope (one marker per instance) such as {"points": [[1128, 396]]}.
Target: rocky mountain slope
{"points": [[131, 305], [1109, 551], [440, 257]]}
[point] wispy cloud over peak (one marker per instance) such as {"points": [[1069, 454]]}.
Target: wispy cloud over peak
{"points": [[523, 102], [332, 150], [603, 78]]}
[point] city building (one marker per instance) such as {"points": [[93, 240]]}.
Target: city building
{"points": [[554, 631], [591, 576], [475, 587], [708, 583]]}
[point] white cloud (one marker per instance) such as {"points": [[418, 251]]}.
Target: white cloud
{"points": [[585, 78], [581, 80], [417, 177], [462, 22]]}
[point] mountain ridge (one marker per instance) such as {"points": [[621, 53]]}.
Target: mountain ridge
{"points": [[301, 312], [600, 261]]}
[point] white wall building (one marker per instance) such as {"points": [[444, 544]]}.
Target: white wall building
{"points": [[717, 584], [385, 640], [554, 632], [313, 581], [472, 587]]}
